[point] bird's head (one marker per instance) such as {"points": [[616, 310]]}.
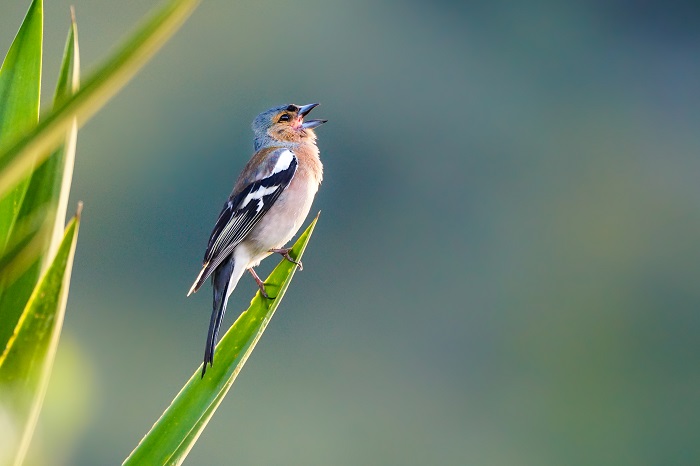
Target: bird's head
{"points": [[285, 124]]}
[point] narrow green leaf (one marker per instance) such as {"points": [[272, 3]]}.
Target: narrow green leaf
{"points": [[17, 159], [172, 437], [21, 252], [25, 365], [69, 75], [68, 85], [20, 84], [51, 180], [47, 192]]}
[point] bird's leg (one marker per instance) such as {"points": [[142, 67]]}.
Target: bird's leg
{"points": [[260, 283], [285, 254]]}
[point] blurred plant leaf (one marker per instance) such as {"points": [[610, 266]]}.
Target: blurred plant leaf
{"points": [[35, 175], [20, 81], [27, 242], [16, 159], [25, 365], [40, 220], [20, 87], [64, 158], [50, 182], [172, 437]]}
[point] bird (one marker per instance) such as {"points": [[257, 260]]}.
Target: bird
{"points": [[269, 202]]}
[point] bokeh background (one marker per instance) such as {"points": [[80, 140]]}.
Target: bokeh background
{"points": [[506, 270]]}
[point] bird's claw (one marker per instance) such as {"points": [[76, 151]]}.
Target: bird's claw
{"points": [[263, 292], [285, 253], [261, 284]]}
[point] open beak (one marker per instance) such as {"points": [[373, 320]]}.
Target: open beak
{"points": [[303, 111]]}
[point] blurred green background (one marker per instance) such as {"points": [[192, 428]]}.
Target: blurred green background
{"points": [[506, 268]]}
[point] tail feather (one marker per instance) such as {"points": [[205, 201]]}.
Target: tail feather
{"points": [[201, 278], [224, 280]]}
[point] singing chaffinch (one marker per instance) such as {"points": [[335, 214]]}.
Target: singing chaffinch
{"points": [[268, 205]]}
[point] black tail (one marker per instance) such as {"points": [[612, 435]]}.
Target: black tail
{"points": [[221, 282]]}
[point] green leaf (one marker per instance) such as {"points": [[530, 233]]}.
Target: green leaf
{"points": [[16, 159], [20, 84], [51, 181], [25, 365], [21, 252], [46, 198], [172, 437]]}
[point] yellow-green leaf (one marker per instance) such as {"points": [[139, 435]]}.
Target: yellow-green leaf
{"points": [[51, 180], [21, 252], [172, 437], [46, 197], [20, 83], [25, 365]]}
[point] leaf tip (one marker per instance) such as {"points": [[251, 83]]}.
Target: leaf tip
{"points": [[79, 210]]}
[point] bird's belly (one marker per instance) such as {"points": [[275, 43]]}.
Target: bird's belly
{"points": [[284, 219]]}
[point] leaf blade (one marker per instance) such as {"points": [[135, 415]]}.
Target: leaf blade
{"points": [[63, 159], [20, 88], [174, 434], [46, 194], [25, 365]]}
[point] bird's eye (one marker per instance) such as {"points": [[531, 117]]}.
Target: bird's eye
{"points": [[284, 117]]}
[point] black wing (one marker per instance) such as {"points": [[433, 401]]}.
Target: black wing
{"points": [[242, 212]]}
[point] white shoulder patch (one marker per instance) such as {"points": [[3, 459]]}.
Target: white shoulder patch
{"points": [[283, 161], [258, 195]]}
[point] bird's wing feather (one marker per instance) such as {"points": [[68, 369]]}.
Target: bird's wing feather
{"points": [[245, 208]]}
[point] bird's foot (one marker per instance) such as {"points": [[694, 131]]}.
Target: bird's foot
{"points": [[260, 283], [285, 254]]}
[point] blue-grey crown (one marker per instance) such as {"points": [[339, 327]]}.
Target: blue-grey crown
{"points": [[263, 121]]}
